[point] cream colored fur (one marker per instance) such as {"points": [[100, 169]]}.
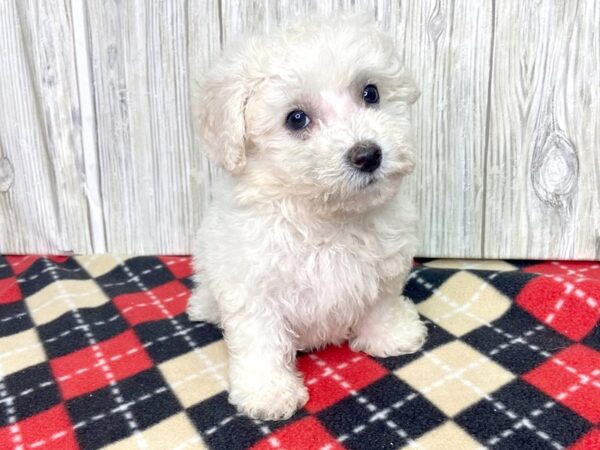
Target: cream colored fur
{"points": [[299, 249]]}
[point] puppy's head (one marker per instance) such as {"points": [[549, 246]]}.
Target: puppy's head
{"points": [[318, 112]]}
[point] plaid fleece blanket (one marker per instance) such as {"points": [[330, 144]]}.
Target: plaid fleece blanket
{"points": [[96, 351]]}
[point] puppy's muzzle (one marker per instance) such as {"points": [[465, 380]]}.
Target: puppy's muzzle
{"points": [[365, 156]]}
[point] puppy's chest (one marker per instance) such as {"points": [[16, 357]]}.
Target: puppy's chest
{"points": [[337, 271], [328, 285]]}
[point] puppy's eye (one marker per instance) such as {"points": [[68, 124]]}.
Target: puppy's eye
{"points": [[370, 94], [297, 120]]}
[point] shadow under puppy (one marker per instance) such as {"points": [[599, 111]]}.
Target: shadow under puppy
{"points": [[308, 241]]}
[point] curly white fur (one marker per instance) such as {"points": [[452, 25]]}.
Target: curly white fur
{"points": [[299, 248]]}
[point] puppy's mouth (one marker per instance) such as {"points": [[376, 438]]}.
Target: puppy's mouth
{"points": [[367, 181], [374, 180]]}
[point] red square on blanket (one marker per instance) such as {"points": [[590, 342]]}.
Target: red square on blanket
{"points": [[306, 434], [571, 377], [163, 302], [51, 429], [590, 441], [571, 269], [334, 373], [180, 266], [571, 308], [20, 263], [9, 290], [97, 366]]}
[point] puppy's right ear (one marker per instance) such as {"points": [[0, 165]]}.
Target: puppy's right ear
{"points": [[219, 102]]}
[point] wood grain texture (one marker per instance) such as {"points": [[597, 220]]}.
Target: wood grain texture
{"points": [[447, 47], [508, 124], [42, 198], [543, 163], [149, 172]]}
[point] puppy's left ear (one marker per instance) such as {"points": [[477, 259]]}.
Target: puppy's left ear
{"points": [[219, 102]]}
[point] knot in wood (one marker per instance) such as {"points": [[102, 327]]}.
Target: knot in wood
{"points": [[7, 174], [555, 168]]}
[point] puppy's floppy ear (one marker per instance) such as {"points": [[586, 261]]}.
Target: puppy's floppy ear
{"points": [[219, 101]]}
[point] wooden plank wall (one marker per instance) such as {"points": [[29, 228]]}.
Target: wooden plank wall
{"points": [[97, 151], [42, 177], [542, 168]]}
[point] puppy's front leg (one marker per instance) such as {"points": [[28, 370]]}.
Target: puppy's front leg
{"points": [[391, 327], [264, 382]]}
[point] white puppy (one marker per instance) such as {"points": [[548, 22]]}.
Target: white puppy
{"points": [[308, 241]]}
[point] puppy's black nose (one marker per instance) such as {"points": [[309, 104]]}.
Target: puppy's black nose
{"points": [[365, 156]]}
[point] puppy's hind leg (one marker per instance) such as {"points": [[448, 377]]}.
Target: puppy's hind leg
{"points": [[392, 327], [203, 306]]}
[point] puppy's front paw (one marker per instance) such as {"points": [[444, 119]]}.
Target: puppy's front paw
{"points": [[202, 306], [272, 396], [399, 332]]}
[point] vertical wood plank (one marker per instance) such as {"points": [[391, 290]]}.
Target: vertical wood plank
{"points": [[447, 46], [205, 39], [140, 67], [543, 170], [88, 126], [42, 201]]}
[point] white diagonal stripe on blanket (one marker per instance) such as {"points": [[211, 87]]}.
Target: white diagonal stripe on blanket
{"points": [[538, 412], [197, 350], [362, 400], [120, 408], [101, 358], [115, 357], [477, 390], [495, 328]]}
